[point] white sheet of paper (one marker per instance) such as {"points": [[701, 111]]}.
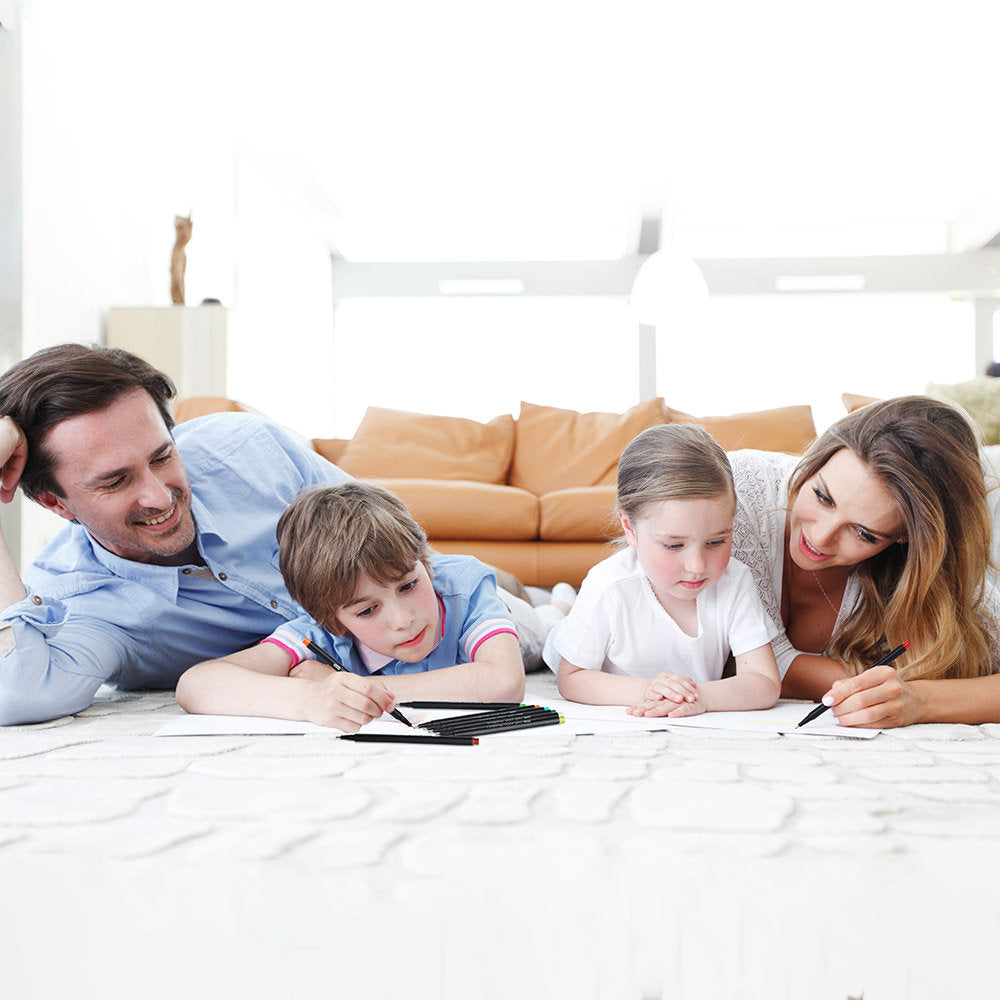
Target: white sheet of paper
{"points": [[783, 718], [239, 725]]}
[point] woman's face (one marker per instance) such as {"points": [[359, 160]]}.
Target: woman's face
{"points": [[842, 516]]}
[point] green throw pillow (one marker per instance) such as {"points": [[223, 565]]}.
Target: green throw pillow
{"points": [[980, 398]]}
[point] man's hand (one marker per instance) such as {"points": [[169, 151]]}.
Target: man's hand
{"points": [[13, 455], [346, 701], [875, 699]]}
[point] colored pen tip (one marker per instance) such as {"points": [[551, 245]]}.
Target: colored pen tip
{"points": [[906, 645]]}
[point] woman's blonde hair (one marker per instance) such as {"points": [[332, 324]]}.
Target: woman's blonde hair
{"points": [[671, 462], [332, 535], [927, 590]]}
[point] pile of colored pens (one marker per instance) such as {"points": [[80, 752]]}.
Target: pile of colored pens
{"points": [[497, 720]]}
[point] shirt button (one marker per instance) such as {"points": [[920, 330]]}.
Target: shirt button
{"points": [[36, 599], [186, 572], [274, 604], [222, 576]]}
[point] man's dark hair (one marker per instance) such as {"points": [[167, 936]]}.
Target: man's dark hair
{"points": [[66, 381]]}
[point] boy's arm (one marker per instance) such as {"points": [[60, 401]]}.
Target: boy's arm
{"points": [[496, 673], [256, 682]]}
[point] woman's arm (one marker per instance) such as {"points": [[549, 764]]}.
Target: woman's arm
{"points": [[811, 676], [496, 673], [879, 698], [256, 682]]}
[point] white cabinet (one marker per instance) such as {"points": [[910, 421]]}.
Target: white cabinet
{"points": [[188, 343]]}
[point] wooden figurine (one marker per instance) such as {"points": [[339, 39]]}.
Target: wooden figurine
{"points": [[178, 259]]}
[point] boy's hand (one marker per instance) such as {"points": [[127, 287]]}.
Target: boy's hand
{"points": [[348, 702]]}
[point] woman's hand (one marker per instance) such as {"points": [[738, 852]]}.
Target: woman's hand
{"points": [[875, 699], [13, 455]]}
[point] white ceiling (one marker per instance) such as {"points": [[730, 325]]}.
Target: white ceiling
{"points": [[536, 129]]}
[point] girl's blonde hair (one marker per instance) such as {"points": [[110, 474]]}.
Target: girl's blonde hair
{"points": [[332, 535], [928, 589], [671, 462]]}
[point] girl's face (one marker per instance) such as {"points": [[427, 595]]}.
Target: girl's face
{"points": [[401, 619], [842, 516], [683, 546]]}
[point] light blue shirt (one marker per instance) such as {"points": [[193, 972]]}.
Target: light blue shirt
{"points": [[92, 618]]}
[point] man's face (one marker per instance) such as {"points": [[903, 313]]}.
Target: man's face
{"points": [[123, 480]]}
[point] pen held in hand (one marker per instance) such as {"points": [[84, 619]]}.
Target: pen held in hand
{"points": [[888, 658], [331, 661]]}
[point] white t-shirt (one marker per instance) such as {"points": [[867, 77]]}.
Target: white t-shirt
{"points": [[617, 624]]}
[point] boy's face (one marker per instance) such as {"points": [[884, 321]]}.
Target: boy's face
{"points": [[401, 619]]}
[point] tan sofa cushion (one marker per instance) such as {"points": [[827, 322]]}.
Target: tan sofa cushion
{"points": [[422, 446], [330, 448], [200, 406], [558, 449], [787, 428], [853, 402], [579, 514], [457, 509]]}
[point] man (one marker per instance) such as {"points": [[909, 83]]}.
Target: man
{"points": [[170, 556]]}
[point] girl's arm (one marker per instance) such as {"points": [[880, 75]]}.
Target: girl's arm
{"points": [[596, 687], [496, 673], [879, 698], [256, 682], [755, 685]]}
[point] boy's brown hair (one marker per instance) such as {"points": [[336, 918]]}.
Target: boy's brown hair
{"points": [[332, 535]]}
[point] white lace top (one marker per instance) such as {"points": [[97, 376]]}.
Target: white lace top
{"points": [[761, 480]]}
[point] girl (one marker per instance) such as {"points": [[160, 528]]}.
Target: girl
{"points": [[654, 624]]}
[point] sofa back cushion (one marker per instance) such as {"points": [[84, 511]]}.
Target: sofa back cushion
{"points": [[400, 444], [557, 449], [787, 428]]}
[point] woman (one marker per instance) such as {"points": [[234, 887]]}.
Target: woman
{"points": [[879, 535]]}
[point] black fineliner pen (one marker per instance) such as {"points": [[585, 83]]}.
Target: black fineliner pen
{"points": [[475, 724], [484, 705], [451, 741], [332, 661], [888, 658]]}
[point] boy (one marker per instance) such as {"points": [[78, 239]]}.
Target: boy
{"points": [[430, 626]]}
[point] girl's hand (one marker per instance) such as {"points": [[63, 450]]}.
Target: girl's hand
{"points": [[875, 699], [348, 702], [660, 708], [670, 687], [669, 695]]}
